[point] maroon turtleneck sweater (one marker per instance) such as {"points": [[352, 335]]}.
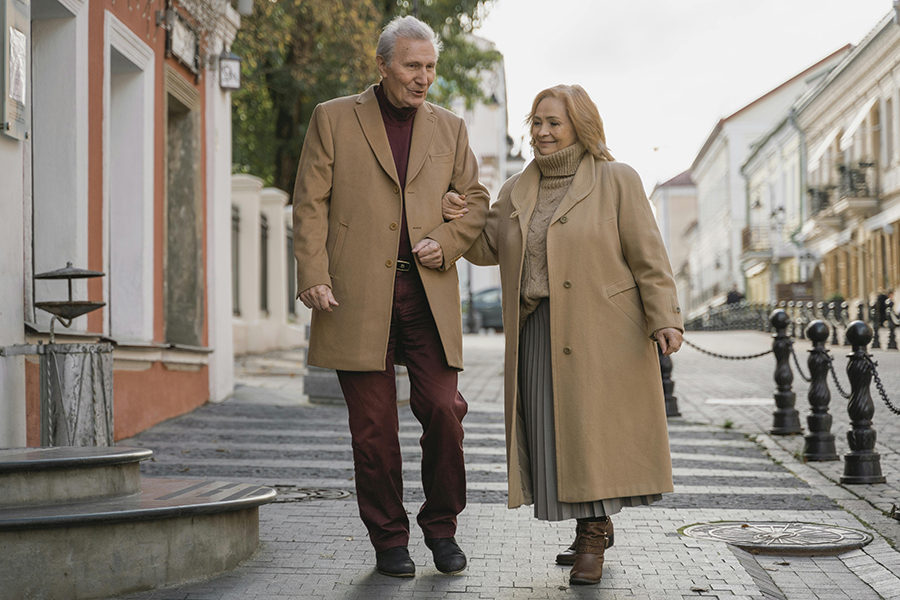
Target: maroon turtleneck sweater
{"points": [[398, 123]]}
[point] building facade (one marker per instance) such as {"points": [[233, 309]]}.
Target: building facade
{"points": [[772, 257], [722, 199], [675, 204], [853, 164], [117, 159]]}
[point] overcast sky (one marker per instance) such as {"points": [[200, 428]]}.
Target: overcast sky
{"points": [[663, 72]]}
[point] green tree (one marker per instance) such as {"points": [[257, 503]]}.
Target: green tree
{"points": [[298, 53]]}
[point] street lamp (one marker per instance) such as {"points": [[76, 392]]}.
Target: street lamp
{"points": [[229, 70]]}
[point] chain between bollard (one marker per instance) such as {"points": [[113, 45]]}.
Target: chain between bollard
{"points": [[797, 362], [880, 387], [724, 356], [845, 395]]}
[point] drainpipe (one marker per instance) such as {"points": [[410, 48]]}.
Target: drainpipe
{"points": [[792, 118]]}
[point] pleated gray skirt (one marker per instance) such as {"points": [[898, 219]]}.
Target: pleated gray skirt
{"points": [[536, 396]]}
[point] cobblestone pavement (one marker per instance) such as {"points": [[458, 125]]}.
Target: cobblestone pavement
{"points": [[727, 468]]}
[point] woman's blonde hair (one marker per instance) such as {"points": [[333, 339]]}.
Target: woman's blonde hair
{"points": [[584, 116]]}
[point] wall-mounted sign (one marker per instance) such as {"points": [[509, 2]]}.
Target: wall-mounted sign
{"points": [[182, 40], [15, 28], [184, 43]]}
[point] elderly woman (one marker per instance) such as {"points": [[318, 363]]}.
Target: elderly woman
{"points": [[587, 290]]}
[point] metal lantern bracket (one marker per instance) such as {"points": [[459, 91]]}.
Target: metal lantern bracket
{"points": [[66, 310], [229, 70]]}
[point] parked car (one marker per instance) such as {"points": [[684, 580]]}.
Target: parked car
{"points": [[487, 312]]}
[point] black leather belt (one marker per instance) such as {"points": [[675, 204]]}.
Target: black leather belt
{"points": [[403, 266]]}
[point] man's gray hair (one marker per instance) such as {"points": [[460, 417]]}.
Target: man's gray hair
{"points": [[407, 27]]}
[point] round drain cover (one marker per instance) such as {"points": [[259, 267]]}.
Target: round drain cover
{"points": [[291, 493], [770, 537]]}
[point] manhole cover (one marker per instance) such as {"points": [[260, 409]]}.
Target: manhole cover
{"points": [[768, 537], [290, 493]]}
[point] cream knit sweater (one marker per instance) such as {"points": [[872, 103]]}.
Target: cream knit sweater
{"points": [[557, 172]]}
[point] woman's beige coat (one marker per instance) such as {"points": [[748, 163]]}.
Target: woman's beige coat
{"points": [[611, 288]]}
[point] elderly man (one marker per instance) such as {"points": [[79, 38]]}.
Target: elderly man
{"points": [[376, 264]]}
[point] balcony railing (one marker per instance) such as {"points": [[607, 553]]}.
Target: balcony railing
{"points": [[819, 199], [854, 182]]}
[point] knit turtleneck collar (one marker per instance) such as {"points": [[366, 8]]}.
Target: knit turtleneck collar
{"points": [[398, 114], [562, 163]]}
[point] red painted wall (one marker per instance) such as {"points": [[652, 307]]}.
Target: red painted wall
{"points": [[141, 398]]}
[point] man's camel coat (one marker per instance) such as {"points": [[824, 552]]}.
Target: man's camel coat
{"points": [[611, 288], [347, 214]]}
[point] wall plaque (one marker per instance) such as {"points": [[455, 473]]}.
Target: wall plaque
{"points": [[15, 30]]}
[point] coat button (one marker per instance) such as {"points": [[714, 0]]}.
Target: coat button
{"points": [[564, 219], [396, 189], [393, 226], [567, 350], [567, 284], [678, 309], [389, 263]]}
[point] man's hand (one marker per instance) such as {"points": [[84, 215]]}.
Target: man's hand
{"points": [[429, 253], [453, 205], [669, 340], [318, 297]]}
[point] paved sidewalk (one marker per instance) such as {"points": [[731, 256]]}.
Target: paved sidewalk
{"points": [[317, 548]]}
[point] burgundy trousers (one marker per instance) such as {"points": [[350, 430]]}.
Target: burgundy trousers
{"points": [[435, 401]]}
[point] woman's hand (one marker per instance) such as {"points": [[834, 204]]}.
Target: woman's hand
{"points": [[669, 340], [453, 206]]}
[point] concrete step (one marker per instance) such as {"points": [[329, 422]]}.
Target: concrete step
{"points": [[172, 531], [39, 476]]}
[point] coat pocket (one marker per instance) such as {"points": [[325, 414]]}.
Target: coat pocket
{"points": [[335, 258], [625, 295], [443, 158]]}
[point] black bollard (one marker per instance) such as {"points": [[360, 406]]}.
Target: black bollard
{"points": [[835, 321], [786, 417], [874, 320], [819, 444], [665, 367], [862, 464], [845, 319], [892, 327], [792, 313]]}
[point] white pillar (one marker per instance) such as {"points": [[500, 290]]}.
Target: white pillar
{"points": [[272, 203], [12, 277], [245, 195], [218, 201]]}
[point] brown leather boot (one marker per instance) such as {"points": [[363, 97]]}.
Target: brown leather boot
{"points": [[567, 556], [590, 544]]}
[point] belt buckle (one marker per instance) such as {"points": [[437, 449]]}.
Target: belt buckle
{"points": [[403, 266]]}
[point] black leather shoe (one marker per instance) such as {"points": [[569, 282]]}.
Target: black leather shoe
{"points": [[395, 562], [448, 558]]}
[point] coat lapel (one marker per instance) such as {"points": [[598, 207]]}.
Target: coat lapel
{"points": [[524, 196], [422, 134], [370, 120], [582, 184]]}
